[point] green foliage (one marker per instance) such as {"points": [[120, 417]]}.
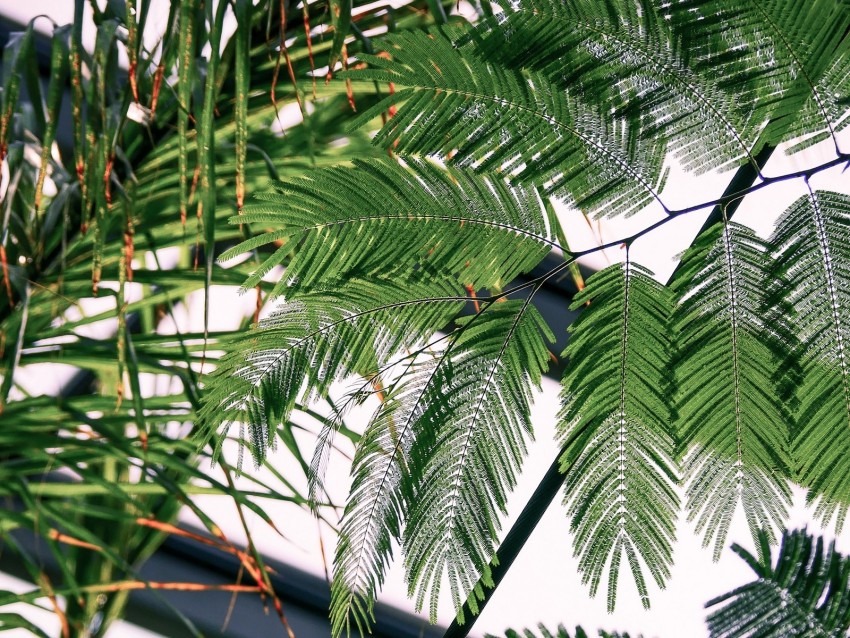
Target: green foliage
{"points": [[626, 56], [479, 113], [440, 457], [801, 87], [616, 427], [666, 386], [686, 385], [734, 430], [89, 214], [340, 219], [805, 593], [811, 240]]}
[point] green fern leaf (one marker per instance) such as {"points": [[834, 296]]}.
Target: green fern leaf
{"points": [[382, 252], [616, 425], [813, 242], [374, 513], [380, 218], [733, 429], [322, 337], [464, 464], [805, 594], [492, 118], [440, 456]]}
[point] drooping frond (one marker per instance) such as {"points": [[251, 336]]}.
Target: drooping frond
{"points": [[440, 456], [798, 53], [318, 339], [472, 112], [375, 510], [473, 442], [382, 219], [561, 633], [733, 429], [806, 593], [624, 56], [616, 425], [813, 262]]}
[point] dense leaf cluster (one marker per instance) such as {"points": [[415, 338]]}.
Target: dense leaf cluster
{"points": [[730, 380]]}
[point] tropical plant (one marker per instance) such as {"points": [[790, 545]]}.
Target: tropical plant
{"points": [[806, 592], [129, 202], [401, 275]]}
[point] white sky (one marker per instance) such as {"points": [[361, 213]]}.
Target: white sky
{"points": [[543, 585]]}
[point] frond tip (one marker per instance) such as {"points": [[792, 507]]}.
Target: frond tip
{"points": [[806, 593]]}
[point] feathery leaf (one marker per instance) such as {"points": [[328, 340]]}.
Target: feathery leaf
{"points": [[616, 426], [733, 430], [798, 56], [473, 441], [471, 112], [625, 56], [813, 262], [380, 218]]}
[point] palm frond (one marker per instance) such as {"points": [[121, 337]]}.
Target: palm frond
{"points": [[616, 425], [805, 593], [384, 219], [471, 112], [813, 264], [733, 430]]}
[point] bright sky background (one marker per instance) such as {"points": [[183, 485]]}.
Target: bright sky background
{"points": [[543, 585]]}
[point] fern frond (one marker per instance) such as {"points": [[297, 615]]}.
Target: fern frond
{"points": [[473, 442], [806, 593], [797, 53], [732, 428], [625, 57], [813, 262], [380, 218], [561, 633], [382, 252], [616, 425], [374, 513], [440, 456], [471, 112], [320, 338]]}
